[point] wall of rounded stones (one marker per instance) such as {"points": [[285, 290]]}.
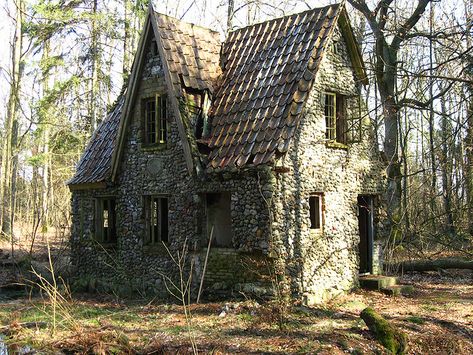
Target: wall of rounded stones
{"points": [[161, 171], [324, 264], [319, 265]]}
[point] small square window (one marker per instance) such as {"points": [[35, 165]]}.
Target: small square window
{"points": [[315, 211]]}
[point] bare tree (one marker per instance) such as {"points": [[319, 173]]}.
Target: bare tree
{"points": [[10, 156]]}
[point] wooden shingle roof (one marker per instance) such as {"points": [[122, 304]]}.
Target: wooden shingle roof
{"points": [[191, 52], [95, 164], [268, 71], [259, 78]]}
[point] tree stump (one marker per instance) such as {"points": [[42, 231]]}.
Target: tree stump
{"points": [[389, 336]]}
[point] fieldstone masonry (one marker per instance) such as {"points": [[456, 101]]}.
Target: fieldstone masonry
{"points": [[269, 205]]}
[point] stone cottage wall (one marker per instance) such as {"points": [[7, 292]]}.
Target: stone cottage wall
{"points": [[322, 265], [162, 171], [319, 265], [89, 258]]}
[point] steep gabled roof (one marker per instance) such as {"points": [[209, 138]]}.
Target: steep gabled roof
{"points": [[268, 71], [94, 167], [190, 57], [260, 79]]}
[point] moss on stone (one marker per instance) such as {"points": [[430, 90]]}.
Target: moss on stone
{"points": [[390, 337]]}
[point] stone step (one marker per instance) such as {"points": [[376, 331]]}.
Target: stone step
{"points": [[398, 290], [377, 282]]}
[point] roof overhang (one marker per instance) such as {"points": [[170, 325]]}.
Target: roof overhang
{"points": [[87, 186], [353, 48]]}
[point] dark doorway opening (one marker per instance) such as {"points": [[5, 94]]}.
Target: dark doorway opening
{"points": [[366, 228], [219, 217]]}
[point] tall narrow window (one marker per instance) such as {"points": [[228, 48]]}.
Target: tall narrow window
{"points": [[155, 117], [330, 116], [154, 47], [156, 216], [335, 118], [315, 211], [106, 230]]}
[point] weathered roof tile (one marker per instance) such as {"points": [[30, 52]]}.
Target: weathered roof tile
{"points": [[271, 66], [259, 77], [192, 53], [95, 164]]}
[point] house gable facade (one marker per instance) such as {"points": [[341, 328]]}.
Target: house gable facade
{"points": [[206, 146]]}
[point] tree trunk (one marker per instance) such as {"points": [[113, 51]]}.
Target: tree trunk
{"points": [[94, 49], [126, 39], [433, 164], [432, 265], [447, 167], [469, 124], [230, 13], [391, 142], [45, 144], [386, 72], [10, 156]]}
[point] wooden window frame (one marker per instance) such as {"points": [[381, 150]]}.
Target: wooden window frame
{"points": [[106, 223], [330, 104], [314, 226], [335, 113], [156, 216], [155, 120], [355, 121]]}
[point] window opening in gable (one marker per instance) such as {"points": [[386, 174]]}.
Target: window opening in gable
{"points": [[335, 117], [316, 211], [155, 120], [156, 211], [154, 47], [355, 120], [106, 220]]}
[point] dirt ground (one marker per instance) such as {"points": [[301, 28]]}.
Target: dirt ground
{"points": [[438, 319]]}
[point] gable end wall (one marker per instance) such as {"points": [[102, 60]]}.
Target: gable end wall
{"points": [[322, 265], [162, 171]]}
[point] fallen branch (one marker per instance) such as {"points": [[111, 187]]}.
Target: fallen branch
{"points": [[432, 265]]}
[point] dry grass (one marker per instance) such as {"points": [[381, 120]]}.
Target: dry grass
{"points": [[438, 320]]}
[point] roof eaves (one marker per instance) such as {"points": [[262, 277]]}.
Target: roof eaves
{"points": [[353, 47], [129, 97]]}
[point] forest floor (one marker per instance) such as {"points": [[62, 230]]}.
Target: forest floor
{"points": [[438, 319], [437, 316]]}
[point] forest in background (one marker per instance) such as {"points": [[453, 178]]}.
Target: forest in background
{"points": [[67, 61]]}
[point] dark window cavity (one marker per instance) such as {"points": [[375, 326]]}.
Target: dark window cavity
{"points": [[315, 208], [106, 220], [218, 210], [156, 220]]}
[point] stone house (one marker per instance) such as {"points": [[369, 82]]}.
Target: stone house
{"points": [[259, 144]]}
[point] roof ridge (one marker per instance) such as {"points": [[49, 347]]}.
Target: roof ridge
{"points": [[282, 17], [186, 22]]}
